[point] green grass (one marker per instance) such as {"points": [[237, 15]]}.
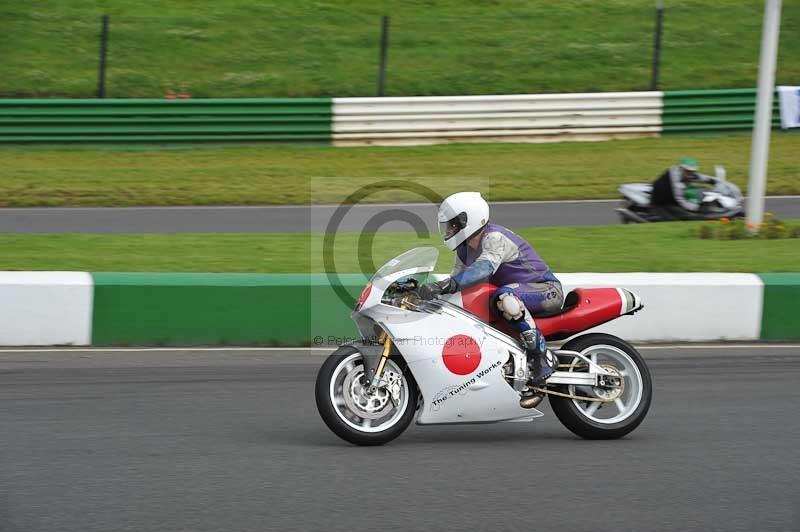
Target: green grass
{"points": [[248, 175], [658, 247], [235, 48]]}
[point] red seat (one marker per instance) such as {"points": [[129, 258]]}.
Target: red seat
{"points": [[584, 308]]}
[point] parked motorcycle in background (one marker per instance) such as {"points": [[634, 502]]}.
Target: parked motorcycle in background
{"points": [[451, 361]]}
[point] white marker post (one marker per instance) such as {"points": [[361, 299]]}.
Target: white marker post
{"points": [[759, 153]]}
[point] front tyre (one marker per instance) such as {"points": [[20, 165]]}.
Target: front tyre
{"points": [[355, 415], [625, 410]]}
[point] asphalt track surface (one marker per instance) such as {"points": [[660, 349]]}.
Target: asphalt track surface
{"points": [[231, 440], [302, 219]]}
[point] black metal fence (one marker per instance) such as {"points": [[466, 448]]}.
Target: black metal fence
{"points": [[336, 51]]}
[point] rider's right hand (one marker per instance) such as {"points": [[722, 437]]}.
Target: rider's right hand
{"points": [[434, 290], [429, 291]]}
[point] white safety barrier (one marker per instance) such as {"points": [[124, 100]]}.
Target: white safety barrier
{"points": [[682, 306], [46, 308], [504, 118]]}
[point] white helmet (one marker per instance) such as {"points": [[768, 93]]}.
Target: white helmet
{"points": [[460, 216]]}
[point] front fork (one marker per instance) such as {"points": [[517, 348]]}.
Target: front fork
{"points": [[391, 381], [376, 377]]}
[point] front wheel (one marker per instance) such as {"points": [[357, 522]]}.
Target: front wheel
{"points": [[351, 411], [624, 408]]}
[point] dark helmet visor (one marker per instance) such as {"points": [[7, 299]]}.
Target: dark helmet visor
{"points": [[453, 226]]}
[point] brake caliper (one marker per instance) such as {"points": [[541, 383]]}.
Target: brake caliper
{"points": [[392, 382]]}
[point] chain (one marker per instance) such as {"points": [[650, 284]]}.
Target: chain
{"points": [[571, 396]]}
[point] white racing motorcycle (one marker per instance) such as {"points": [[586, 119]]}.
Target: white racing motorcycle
{"points": [[723, 199], [451, 361]]}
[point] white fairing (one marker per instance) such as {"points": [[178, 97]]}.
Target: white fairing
{"points": [[638, 193], [480, 395], [724, 201], [477, 390]]}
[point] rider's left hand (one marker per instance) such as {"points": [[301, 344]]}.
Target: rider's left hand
{"points": [[433, 290]]}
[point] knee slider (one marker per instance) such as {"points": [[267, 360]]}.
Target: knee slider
{"points": [[511, 306]]}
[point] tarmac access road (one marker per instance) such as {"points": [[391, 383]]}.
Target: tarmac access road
{"points": [[304, 219]]}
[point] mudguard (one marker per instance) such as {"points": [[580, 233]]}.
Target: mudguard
{"points": [[371, 354]]}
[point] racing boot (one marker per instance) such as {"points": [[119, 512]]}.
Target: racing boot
{"points": [[541, 361], [541, 364]]}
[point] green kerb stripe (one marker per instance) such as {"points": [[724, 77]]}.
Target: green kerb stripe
{"points": [[780, 319]]}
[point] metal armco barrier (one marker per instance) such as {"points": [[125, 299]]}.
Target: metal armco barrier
{"points": [[506, 118], [157, 120], [381, 121], [712, 110]]}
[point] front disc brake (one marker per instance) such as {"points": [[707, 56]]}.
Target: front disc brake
{"points": [[362, 403]]}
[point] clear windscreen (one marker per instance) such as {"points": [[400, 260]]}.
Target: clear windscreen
{"points": [[422, 259]]}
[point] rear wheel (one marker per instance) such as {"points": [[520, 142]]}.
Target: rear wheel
{"points": [[352, 412], [623, 408]]}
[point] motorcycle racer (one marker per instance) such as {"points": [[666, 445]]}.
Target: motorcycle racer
{"points": [[493, 253], [675, 189]]}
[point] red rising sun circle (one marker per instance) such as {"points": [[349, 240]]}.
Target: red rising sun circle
{"points": [[461, 354]]}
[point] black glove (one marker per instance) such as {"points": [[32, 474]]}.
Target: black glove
{"points": [[434, 290]]}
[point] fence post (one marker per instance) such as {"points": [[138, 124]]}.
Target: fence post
{"points": [[657, 45], [101, 75], [384, 51]]}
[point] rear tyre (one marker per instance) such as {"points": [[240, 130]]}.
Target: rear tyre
{"points": [[351, 412], [604, 421]]}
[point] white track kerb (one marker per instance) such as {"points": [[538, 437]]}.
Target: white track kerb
{"points": [[55, 308]]}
